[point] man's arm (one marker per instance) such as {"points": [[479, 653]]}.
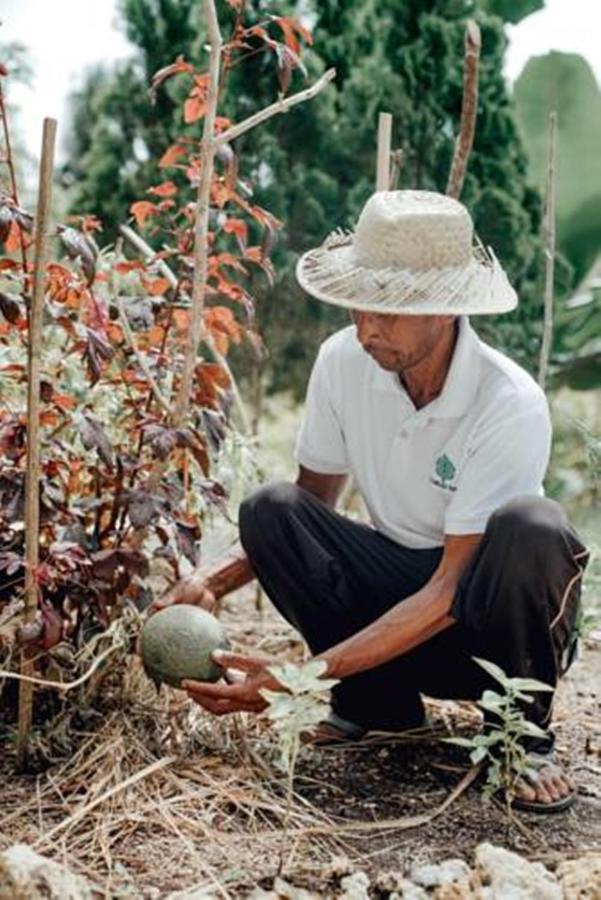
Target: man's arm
{"points": [[230, 572], [412, 621]]}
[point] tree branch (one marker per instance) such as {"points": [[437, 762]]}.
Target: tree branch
{"points": [[279, 106], [469, 110], [140, 359], [148, 253], [201, 223]]}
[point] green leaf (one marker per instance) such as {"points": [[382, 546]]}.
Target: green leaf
{"points": [[460, 742], [478, 755], [530, 684], [532, 730], [493, 670]]}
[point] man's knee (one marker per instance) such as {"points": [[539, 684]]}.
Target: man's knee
{"points": [[529, 518], [264, 508]]}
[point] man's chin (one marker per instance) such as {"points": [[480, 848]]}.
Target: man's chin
{"points": [[390, 363]]}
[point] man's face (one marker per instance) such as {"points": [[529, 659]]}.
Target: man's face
{"points": [[398, 342]]}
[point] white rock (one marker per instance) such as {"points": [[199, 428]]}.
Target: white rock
{"points": [[581, 878], [25, 875], [437, 875], [355, 887], [507, 876]]}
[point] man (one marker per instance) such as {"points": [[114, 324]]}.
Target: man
{"points": [[447, 441]]}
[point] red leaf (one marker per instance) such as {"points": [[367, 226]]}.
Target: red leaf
{"points": [[180, 65], [171, 155], [194, 109], [196, 105], [166, 189], [292, 27], [159, 286], [141, 209], [129, 266], [239, 228], [13, 239]]}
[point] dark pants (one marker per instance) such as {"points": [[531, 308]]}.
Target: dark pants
{"points": [[516, 604]]}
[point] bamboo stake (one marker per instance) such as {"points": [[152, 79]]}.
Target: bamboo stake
{"points": [[549, 244], [383, 161], [469, 110], [32, 478]]}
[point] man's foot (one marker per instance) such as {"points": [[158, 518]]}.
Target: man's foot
{"points": [[547, 788]]}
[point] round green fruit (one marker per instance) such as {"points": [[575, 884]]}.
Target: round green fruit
{"points": [[177, 643]]}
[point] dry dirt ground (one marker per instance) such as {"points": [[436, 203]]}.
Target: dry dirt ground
{"points": [[152, 798]]}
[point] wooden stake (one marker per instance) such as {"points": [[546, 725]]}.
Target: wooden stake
{"points": [[201, 222], [469, 110], [32, 477], [384, 140], [549, 245]]}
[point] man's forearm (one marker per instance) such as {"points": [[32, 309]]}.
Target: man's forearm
{"points": [[229, 573], [407, 625]]}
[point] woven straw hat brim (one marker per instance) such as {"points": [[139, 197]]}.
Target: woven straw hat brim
{"points": [[331, 273]]}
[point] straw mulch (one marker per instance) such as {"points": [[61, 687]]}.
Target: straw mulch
{"points": [[156, 798]]}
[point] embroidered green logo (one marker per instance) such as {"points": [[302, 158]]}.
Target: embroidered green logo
{"points": [[445, 469]]}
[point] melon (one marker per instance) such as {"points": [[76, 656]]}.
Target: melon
{"points": [[177, 642]]}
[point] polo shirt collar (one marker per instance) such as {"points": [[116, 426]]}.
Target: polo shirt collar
{"points": [[460, 385]]}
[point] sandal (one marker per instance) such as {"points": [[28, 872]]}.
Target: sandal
{"points": [[336, 730], [536, 762]]}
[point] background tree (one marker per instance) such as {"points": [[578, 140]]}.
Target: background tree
{"points": [[566, 83], [316, 169]]}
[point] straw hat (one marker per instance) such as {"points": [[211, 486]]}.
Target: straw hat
{"points": [[412, 252]]}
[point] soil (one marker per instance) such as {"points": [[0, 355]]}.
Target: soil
{"points": [[388, 778], [141, 848]]}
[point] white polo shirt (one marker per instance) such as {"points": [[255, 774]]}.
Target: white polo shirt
{"points": [[442, 469]]}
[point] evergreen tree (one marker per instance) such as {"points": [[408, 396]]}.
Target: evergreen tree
{"points": [[315, 167]]}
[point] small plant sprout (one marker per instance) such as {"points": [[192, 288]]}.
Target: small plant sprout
{"points": [[305, 702], [501, 744]]}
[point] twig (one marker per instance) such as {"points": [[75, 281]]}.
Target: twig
{"points": [[63, 685], [32, 476], [469, 110], [399, 824], [201, 222], [397, 157], [13, 178], [79, 814], [383, 157], [134, 238], [140, 244], [140, 359], [549, 244], [279, 106]]}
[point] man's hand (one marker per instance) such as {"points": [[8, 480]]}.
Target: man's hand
{"points": [[246, 675], [193, 589]]}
